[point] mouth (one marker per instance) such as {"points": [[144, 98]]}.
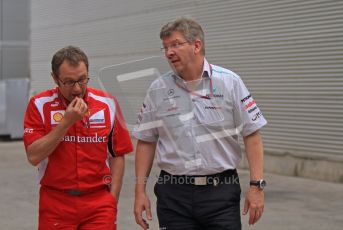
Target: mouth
{"points": [[76, 95], [174, 61]]}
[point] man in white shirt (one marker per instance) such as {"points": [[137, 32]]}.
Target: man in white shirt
{"points": [[192, 117]]}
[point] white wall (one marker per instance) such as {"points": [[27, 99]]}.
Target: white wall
{"points": [[289, 53]]}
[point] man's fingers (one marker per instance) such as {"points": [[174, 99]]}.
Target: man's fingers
{"points": [[140, 221], [147, 208], [78, 103], [254, 204], [251, 216], [255, 215], [148, 212], [145, 225], [79, 106], [73, 102], [86, 111], [142, 204], [246, 207], [83, 108], [138, 217]]}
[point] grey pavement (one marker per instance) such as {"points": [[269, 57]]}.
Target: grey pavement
{"points": [[290, 203]]}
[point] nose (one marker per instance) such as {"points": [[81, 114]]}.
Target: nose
{"points": [[169, 53], [77, 88]]}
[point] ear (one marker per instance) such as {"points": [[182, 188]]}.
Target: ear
{"points": [[54, 77], [197, 46]]}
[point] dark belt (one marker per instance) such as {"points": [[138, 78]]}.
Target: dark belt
{"points": [[227, 176], [78, 192]]}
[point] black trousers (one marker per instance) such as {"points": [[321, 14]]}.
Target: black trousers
{"points": [[183, 205]]}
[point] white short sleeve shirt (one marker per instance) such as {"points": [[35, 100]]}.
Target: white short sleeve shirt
{"points": [[197, 131]]}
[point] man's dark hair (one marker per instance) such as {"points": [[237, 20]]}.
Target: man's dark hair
{"points": [[72, 54]]}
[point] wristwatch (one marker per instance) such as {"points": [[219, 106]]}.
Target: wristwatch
{"points": [[258, 183]]}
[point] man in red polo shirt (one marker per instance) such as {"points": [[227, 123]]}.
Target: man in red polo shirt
{"points": [[77, 137]]}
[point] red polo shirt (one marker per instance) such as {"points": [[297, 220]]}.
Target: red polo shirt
{"points": [[80, 161]]}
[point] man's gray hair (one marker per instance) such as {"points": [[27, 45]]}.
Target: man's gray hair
{"points": [[188, 27]]}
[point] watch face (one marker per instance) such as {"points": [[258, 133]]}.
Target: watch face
{"points": [[263, 184]]}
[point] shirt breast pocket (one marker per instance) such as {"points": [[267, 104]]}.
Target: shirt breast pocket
{"points": [[209, 113]]}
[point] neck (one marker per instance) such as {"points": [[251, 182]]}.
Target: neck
{"points": [[195, 71]]}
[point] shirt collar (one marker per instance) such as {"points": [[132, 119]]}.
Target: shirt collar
{"points": [[206, 72]]}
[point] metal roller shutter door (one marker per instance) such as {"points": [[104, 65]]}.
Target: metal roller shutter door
{"points": [[289, 53]]}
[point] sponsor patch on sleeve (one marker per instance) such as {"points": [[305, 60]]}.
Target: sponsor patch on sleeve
{"points": [[249, 103], [97, 118], [251, 107]]}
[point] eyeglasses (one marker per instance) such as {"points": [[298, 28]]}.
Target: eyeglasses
{"points": [[175, 45], [70, 83]]}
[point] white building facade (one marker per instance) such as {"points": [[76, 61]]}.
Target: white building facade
{"points": [[289, 53]]}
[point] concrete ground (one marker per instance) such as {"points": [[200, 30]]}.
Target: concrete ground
{"points": [[291, 203]]}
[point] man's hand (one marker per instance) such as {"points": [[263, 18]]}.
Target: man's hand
{"points": [[117, 165], [43, 147], [254, 203], [75, 111], [142, 203]]}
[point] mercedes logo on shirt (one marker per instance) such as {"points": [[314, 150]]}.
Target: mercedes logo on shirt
{"points": [[170, 92]]}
